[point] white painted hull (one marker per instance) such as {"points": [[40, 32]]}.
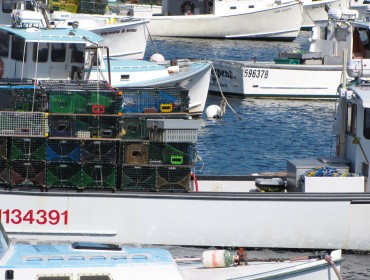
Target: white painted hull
{"points": [[126, 39], [195, 79], [231, 26], [279, 220], [267, 79]]}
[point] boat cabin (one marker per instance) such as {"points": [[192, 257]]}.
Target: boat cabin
{"points": [[215, 7], [35, 53], [343, 32], [352, 129]]}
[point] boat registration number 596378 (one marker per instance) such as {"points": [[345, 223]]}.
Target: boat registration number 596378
{"points": [[41, 217], [253, 73]]}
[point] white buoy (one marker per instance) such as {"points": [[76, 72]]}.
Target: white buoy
{"points": [[157, 57], [217, 258], [213, 112]]}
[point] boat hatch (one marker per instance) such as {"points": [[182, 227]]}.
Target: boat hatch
{"points": [[96, 246]]}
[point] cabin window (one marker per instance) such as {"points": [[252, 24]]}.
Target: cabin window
{"points": [[77, 52], [43, 52], [58, 52], [8, 6], [4, 44], [18, 49], [323, 33], [351, 119], [341, 34], [367, 123]]}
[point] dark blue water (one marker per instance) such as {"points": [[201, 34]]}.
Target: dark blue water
{"points": [[268, 132]]}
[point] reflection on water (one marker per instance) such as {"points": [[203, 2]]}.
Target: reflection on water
{"points": [[173, 48], [269, 132]]}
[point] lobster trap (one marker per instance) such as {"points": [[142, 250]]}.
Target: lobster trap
{"points": [[99, 151], [63, 175], [138, 178], [22, 98], [98, 126], [173, 179], [154, 100], [28, 149], [84, 126], [63, 150], [173, 153], [3, 148], [23, 123], [99, 176], [135, 126], [27, 173], [83, 102], [4, 172], [135, 153]]}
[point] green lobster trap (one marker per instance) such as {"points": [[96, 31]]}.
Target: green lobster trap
{"points": [[99, 176], [171, 153], [28, 149], [63, 175], [22, 98], [138, 178]]}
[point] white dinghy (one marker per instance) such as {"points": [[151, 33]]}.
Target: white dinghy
{"points": [[40, 260]]}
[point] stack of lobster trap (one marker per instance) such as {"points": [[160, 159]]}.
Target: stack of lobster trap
{"points": [[85, 135]]}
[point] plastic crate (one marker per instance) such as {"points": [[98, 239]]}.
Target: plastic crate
{"points": [[171, 130], [287, 61]]}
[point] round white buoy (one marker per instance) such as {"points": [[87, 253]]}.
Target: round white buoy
{"points": [[213, 111], [157, 57], [217, 258]]}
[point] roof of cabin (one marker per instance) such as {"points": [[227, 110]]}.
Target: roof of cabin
{"points": [[56, 35]]}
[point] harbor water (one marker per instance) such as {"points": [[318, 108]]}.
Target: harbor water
{"points": [[264, 133]]}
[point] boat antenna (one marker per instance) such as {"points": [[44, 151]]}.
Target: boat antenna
{"points": [[224, 101]]}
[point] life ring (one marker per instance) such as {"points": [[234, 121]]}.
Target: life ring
{"points": [[187, 6], [1, 68]]}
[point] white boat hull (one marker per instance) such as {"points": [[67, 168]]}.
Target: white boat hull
{"points": [[125, 39], [201, 219], [229, 26], [267, 79]]}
